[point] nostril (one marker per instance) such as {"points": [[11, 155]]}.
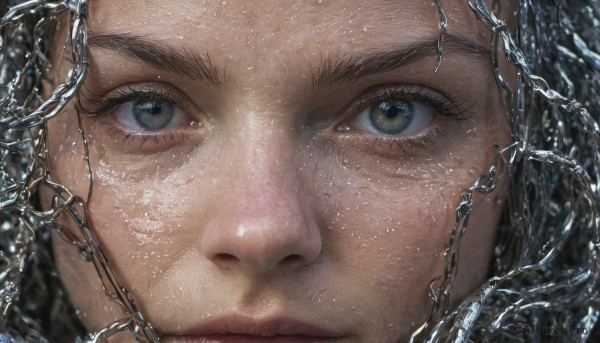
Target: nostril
{"points": [[229, 261], [225, 261], [292, 261]]}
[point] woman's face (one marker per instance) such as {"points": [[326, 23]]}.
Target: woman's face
{"points": [[288, 167]]}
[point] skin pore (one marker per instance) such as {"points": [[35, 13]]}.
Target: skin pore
{"points": [[246, 167]]}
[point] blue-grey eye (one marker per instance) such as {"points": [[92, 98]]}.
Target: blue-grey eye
{"points": [[149, 115], [399, 117], [152, 115]]}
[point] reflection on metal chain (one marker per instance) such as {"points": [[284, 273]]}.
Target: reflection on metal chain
{"points": [[22, 121], [546, 262], [546, 268]]}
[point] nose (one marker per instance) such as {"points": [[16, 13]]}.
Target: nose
{"points": [[262, 219]]}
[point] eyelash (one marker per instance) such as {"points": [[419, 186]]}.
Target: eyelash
{"points": [[389, 145], [439, 103], [443, 106], [131, 93], [125, 95]]}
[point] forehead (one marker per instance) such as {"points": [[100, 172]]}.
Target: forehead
{"points": [[320, 24]]}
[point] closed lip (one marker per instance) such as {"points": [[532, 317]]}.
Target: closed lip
{"points": [[239, 327]]}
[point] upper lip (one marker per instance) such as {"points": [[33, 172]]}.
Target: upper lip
{"points": [[244, 324]]}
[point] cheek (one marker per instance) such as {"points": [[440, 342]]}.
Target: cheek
{"points": [[143, 223], [66, 150], [388, 237], [68, 167], [394, 225], [392, 242]]}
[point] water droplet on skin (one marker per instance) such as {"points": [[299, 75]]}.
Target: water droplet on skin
{"points": [[498, 201]]}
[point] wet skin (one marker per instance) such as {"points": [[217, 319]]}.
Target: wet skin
{"points": [[251, 179]]}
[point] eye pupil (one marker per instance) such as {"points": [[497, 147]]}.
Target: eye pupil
{"points": [[391, 117], [156, 108], [153, 114]]}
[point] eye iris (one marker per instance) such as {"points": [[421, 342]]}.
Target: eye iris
{"points": [[392, 117], [152, 114]]}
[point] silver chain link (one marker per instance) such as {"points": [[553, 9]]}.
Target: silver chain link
{"points": [[546, 266]]}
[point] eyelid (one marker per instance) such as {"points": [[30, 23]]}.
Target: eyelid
{"points": [[133, 92], [440, 103]]}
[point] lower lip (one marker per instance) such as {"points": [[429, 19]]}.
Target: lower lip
{"points": [[233, 338]]}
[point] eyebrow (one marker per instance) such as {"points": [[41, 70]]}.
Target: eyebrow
{"points": [[198, 66], [187, 63], [350, 69]]}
